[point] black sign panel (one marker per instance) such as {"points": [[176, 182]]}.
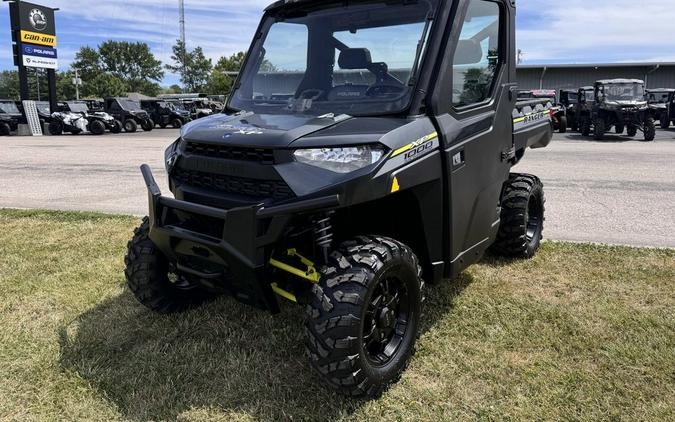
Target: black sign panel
{"points": [[36, 18]]}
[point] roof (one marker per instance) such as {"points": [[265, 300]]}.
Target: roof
{"points": [[595, 65], [620, 81], [669, 90]]}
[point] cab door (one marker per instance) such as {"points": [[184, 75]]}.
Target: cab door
{"points": [[476, 126]]}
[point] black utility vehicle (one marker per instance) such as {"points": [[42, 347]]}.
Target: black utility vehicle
{"points": [[164, 113], [569, 99], [130, 113], [621, 103], [662, 105], [197, 107], [388, 165], [10, 117], [558, 112]]}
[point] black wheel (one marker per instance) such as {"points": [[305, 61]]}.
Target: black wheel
{"points": [[619, 129], [363, 317], [163, 125], [55, 128], [177, 123], [116, 127], [650, 129], [97, 127], [665, 121], [585, 127], [130, 126], [599, 129], [522, 217], [148, 125], [575, 125], [562, 124], [632, 130], [151, 281], [5, 130]]}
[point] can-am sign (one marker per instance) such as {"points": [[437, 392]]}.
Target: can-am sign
{"points": [[36, 29]]}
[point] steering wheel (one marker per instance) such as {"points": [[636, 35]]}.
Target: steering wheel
{"points": [[385, 91]]}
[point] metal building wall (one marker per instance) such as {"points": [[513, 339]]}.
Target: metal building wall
{"points": [[573, 77]]}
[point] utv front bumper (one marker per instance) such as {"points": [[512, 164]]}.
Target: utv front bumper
{"points": [[224, 249]]}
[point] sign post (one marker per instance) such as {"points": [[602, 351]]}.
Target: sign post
{"points": [[34, 44]]}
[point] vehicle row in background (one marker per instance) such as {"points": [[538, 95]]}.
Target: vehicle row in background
{"points": [[662, 104], [558, 112]]}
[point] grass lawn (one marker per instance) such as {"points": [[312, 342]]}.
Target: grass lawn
{"points": [[580, 332]]}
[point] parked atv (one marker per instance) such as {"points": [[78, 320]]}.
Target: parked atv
{"points": [[97, 122], [65, 121], [10, 117], [346, 197], [130, 113], [165, 113], [620, 103], [568, 99], [198, 108], [662, 105]]}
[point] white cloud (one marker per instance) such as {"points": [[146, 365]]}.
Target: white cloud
{"points": [[597, 30]]}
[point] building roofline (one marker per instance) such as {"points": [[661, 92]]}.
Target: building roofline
{"points": [[594, 65]]}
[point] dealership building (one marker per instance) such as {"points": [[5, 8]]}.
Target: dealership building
{"points": [[572, 76]]}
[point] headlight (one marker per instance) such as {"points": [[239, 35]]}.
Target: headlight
{"points": [[341, 160]]}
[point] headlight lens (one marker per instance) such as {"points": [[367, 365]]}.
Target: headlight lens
{"points": [[341, 160]]}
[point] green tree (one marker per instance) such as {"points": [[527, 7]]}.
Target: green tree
{"points": [[88, 63], [9, 84], [65, 90], [224, 73], [192, 66], [104, 85]]}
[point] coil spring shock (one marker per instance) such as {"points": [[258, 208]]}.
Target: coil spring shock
{"points": [[323, 233]]}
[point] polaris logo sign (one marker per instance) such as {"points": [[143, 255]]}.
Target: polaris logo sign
{"points": [[38, 56], [38, 51]]}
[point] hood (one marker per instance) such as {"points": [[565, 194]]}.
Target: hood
{"points": [[282, 131]]}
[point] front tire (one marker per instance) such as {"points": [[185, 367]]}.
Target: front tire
{"points": [[363, 317], [522, 217], [619, 129], [177, 123], [562, 125], [116, 127], [97, 127], [148, 125], [665, 121], [55, 128], [5, 130], [650, 129], [632, 130], [149, 279], [585, 127]]}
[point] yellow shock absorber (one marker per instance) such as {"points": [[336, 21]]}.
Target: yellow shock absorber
{"points": [[310, 274]]}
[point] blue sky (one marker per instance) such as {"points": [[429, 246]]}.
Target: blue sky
{"points": [[568, 31]]}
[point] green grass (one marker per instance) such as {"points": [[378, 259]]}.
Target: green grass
{"points": [[580, 332]]}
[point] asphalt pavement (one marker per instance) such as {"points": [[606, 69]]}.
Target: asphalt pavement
{"points": [[620, 191]]}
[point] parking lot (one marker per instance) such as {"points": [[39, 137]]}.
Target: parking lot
{"points": [[620, 191]]}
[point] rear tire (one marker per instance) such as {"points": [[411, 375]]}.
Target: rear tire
{"points": [[55, 128], [632, 131], [562, 124], [522, 217], [585, 127], [599, 129], [97, 127], [363, 317], [130, 126], [5, 130], [619, 129], [148, 125], [148, 278], [650, 129], [177, 123], [116, 127]]}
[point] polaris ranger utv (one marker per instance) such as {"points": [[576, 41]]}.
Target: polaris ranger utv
{"points": [[130, 113], [164, 113], [662, 104], [621, 103], [568, 99], [10, 117], [583, 108], [388, 165]]}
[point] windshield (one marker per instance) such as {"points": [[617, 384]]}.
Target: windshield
{"points": [[589, 95], [9, 108], [624, 92], [130, 105], [78, 107], [43, 107], [361, 60], [659, 97], [572, 98]]}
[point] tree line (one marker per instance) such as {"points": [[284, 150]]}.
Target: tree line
{"points": [[115, 68]]}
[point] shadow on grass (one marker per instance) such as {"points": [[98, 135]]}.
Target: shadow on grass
{"points": [[224, 359]]}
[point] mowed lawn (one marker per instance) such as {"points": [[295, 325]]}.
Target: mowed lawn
{"points": [[580, 332]]}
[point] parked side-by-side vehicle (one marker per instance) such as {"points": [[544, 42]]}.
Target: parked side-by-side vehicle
{"points": [[164, 113], [662, 105], [130, 113], [10, 117]]}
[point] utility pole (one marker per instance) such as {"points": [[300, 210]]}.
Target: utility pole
{"points": [[181, 19]]}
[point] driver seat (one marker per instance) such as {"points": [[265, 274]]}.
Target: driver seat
{"points": [[352, 59]]}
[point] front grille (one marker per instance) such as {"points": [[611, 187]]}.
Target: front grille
{"points": [[257, 155], [259, 189]]}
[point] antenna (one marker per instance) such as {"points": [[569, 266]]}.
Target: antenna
{"points": [[181, 12]]}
